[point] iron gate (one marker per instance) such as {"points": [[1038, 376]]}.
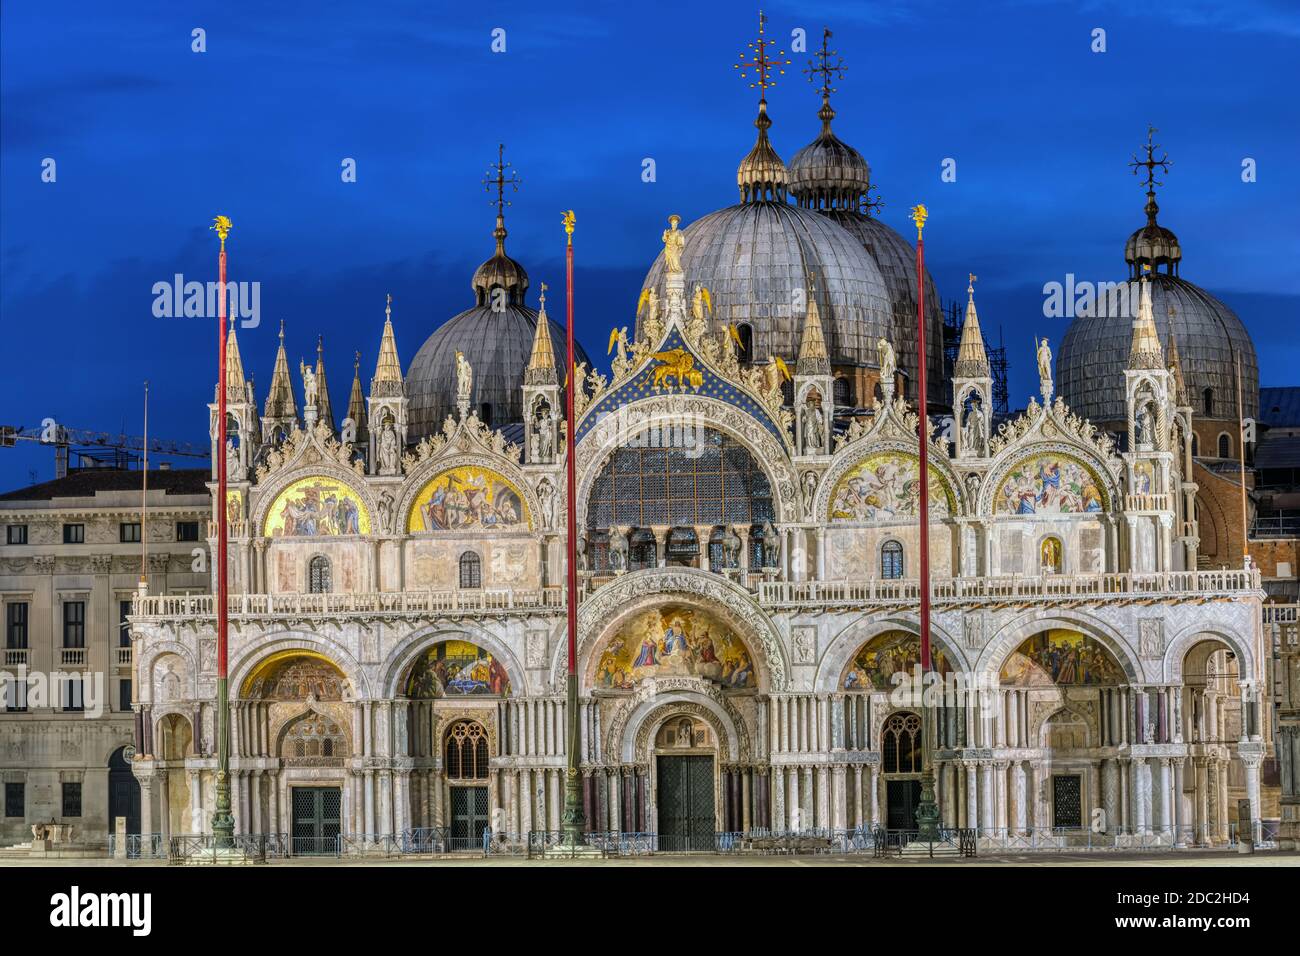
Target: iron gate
{"points": [[469, 817], [1067, 801], [901, 799], [686, 814], [316, 812]]}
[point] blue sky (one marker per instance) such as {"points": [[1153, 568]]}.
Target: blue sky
{"points": [[151, 140]]}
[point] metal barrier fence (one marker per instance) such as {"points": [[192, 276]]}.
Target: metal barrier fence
{"points": [[139, 846]]}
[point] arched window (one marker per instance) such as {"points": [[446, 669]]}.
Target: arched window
{"points": [[466, 752], [787, 392], [900, 744], [485, 414], [1225, 446], [682, 547], [1207, 398], [891, 560], [318, 575], [842, 392], [1196, 446], [746, 351], [471, 570]]}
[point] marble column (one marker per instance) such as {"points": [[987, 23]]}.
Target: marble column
{"points": [[1252, 763], [972, 794], [986, 796], [1022, 796]]}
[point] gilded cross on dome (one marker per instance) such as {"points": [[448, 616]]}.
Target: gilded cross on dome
{"points": [[759, 64]]}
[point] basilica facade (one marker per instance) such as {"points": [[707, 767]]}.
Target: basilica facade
{"points": [[747, 501]]}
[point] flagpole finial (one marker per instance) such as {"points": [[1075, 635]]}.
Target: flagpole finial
{"points": [[919, 215], [221, 225], [568, 224]]}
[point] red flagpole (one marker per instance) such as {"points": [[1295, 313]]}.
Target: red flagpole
{"points": [[921, 411]]}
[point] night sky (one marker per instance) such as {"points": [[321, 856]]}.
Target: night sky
{"points": [[151, 140]]}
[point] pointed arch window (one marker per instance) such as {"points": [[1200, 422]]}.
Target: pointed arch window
{"points": [[466, 751], [900, 744], [891, 560], [319, 578], [471, 570], [1225, 446]]}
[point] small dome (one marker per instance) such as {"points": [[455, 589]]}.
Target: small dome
{"points": [[500, 272], [829, 173], [761, 174], [1153, 245]]}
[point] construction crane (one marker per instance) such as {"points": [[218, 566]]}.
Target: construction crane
{"points": [[92, 444]]}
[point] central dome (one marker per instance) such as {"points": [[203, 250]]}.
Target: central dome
{"points": [[757, 257]]}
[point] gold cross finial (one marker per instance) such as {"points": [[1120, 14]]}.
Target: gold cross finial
{"points": [[823, 67], [759, 63], [1151, 164], [500, 180]]}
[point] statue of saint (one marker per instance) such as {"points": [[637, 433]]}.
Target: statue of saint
{"points": [[673, 245], [464, 380], [308, 383], [388, 450], [545, 436], [888, 363], [814, 430], [1045, 366], [546, 498]]}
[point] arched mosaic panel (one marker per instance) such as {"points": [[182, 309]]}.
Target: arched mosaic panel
{"points": [[675, 641], [1059, 657], [891, 652], [317, 506], [884, 486], [1050, 484], [293, 676], [468, 498], [456, 669]]}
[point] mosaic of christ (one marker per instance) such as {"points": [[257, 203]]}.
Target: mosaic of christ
{"points": [[468, 499], [885, 486], [317, 506], [1061, 656], [456, 669], [677, 641], [885, 655]]}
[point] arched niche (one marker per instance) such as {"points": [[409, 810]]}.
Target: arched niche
{"points": [[455, 668], [469, 498], [317, 506], [884, 487], [673, 640], [873, 666], [1060, 657]]}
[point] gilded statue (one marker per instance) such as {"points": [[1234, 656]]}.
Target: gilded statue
{"points": [[673, 245]]}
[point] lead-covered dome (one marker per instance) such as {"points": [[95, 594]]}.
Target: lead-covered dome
{"points": [[496, 335], [828, 173]]}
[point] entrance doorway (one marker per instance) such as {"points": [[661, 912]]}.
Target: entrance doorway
{"points": [[1067, 801], [316, 812], [901, 799], [123, 793], [687, 820], [469, 817]]}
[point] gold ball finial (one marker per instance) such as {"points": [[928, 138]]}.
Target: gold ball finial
{"points": [[919, 215]]}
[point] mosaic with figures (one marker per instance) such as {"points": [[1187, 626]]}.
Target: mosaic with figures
{"points": [[676, 641], [885, 486], [317, 506], [1049, 484], [468, 499], [887, 654], [1060, 656], [456, 669]]}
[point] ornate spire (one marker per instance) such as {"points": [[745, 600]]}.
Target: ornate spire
{"points": [[387, 382], [761, 175], [235, 382], [1175, 364], [541, 364], [813, 359], [1153, 244], [324, 410], [280, 403], [357, 402], [1145, 351], [972, 359]]}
